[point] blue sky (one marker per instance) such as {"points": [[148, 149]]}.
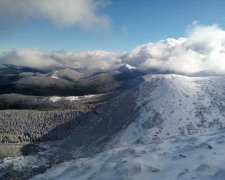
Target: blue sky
{"points": [[132, 22]]}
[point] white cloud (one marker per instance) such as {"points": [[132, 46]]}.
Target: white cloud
{"points": [[203, 49], [41, 59], [60, 12], [28, 57], [91, 60]]}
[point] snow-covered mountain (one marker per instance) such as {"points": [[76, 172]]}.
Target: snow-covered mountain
{"points": [[171, 105], [177, 133], [126, 68], [64, 81]]}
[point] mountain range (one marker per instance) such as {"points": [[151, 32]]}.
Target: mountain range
{"points": [[128, 124], [64, 81]]}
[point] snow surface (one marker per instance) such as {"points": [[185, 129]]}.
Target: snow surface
{"points": [[55, 75], [126, 68], [69, 98], [129, 66], [176, 135], [172, 105], [179, 134], [21, 163], [191, 157]]}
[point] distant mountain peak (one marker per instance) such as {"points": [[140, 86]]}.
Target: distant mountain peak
{"points": [[129, 66], [126, 68]]}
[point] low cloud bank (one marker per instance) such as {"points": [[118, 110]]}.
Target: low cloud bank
{"points": [[42, 59], [203, 49]]}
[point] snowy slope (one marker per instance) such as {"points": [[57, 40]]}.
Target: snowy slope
{"points": [[183, 158], [173, 105], [178, 134]]}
